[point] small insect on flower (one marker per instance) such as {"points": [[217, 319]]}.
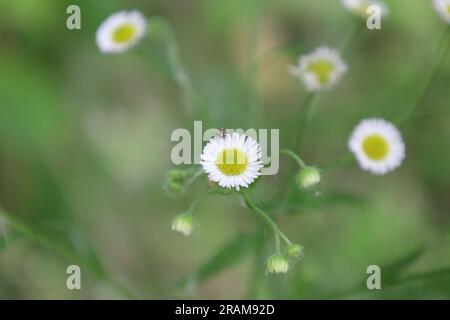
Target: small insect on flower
{"points": [[183, 223], [359, 7], [277, 264], [321, 69], [443, 9], [121, 31], [232, 160], [308, 177], [377, 145]]}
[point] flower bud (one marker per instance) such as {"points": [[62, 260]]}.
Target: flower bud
{"points": [[174, 188], [174, 184], [183, 223], [175, 174], [277, 264], [308, 177], [294, 251]]}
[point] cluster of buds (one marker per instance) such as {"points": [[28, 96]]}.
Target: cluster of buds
{"points": [[175, 180], [278, 263]]}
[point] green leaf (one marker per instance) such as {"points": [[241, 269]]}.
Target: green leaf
{"points": [[233, 252], [393, 271], [60, 243], [391, 274]]}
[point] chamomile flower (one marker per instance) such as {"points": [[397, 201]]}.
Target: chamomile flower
{"points": [[320, 69], [232, 160], [121, 31], [359, 7], [377, 145], [443, 9]]}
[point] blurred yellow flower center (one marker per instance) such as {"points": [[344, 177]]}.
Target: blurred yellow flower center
{"points": [[124, 33], [448, 9], [322, 69], [232, 162], [375, 147]]}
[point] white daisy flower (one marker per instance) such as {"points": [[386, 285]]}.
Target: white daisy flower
{"points": [[121, 31], [377, 145], [359, 7], [233, 160], [320, 69], [443, 9]]}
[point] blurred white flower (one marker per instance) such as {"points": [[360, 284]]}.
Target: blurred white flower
{"points": [[121, 31], [359, 7], [377, 145], [320, 69], [232, 161], [443, 9]]}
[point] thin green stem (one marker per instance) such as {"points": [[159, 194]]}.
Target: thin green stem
{"points": [[194, 177], [345, 161], [268, 219], [303, 118], [277, 243], [253, 98], [444, 45], [355, 30], [70, 255], [192, 99], [200, 197], [294, 156]]}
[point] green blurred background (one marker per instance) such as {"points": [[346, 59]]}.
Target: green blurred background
{"points": [[85, 145]]}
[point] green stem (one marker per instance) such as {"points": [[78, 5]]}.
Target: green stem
{"points": [[194, 177], [253, 58], [269, 220], [294, 156], [303, 118], [441, 54], [200, 197], [70, 255], [352, 35], [192, 99]]}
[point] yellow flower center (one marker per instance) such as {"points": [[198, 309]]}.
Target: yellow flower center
{"points": [[375, 147], [232, 162], [124, 33], [322, 69], [448, 9]]}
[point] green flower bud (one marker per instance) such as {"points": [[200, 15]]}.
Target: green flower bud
{"points": [[183, 223], [308, 177], [294, 251], [277, 264], [174, 188], [176, 175]]}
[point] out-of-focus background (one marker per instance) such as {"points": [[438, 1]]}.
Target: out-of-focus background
{"points": [[85, 146]]}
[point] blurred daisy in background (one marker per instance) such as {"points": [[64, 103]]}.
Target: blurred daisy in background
{"points": [[377, 145], [443, 9], [320, 69], [233, 160], [359, 7], [121, 31]]}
